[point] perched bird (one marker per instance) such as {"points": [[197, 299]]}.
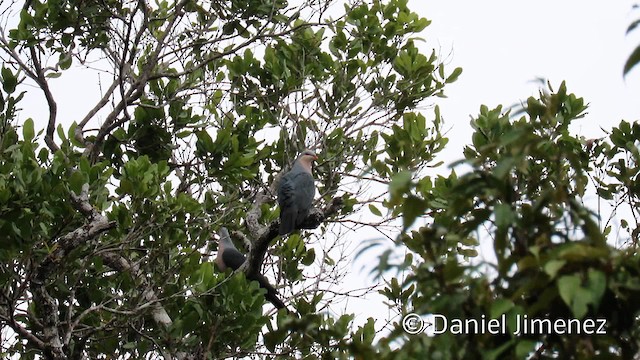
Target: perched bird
{"points": [[295, 193], [229, 257]]}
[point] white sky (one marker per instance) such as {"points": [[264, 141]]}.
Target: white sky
{"points": [[502, 45]]}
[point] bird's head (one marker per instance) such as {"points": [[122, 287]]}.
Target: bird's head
{"points": [[307, 158], [308, 155]]}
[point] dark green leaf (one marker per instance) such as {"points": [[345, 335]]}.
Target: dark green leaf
{"points": [[27, 130], [632, 61]]}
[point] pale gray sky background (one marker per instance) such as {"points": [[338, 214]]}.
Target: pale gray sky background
{"points": [[503, 45]]}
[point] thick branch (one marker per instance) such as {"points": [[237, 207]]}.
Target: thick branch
{"points": [[15, 326], [48, 309], [253, 216], [257, 253]]}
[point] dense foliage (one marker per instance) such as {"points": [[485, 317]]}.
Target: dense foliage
{"points": [[531, 199], [108, 213]]}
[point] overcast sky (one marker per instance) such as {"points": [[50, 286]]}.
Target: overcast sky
{"points": [[502, 45]]}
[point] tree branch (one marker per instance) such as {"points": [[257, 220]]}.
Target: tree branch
{"points": [[47, 305], [137, 89], [53, 107], [119, 263], [257, 253], [103, 101], [15, 326], [253, 215]]}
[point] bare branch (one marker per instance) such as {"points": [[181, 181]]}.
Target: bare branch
{"points": [[103, 101], [53, 107]]}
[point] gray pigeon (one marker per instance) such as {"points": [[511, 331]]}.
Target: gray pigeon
{"points": [[295, 193], [229, 257]]}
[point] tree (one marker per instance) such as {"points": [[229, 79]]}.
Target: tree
{"points": [[529, 196], [107, 226]]}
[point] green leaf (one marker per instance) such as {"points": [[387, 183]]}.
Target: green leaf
{"points": [[65, 61], [454, 75], [274, 338], [309, 257], [574, 295], [568, 285], [27, 130], [468, 253], [76, 181], [597, 283], [633, 25], [553, 266], [524, 348], [374, 210], [495, 353], [580, 303], [400, 184], [632, 61], [9, 80], [504, 216], [369, 331], [204, 142], [576, 252], [500, 306], [412, 208]]}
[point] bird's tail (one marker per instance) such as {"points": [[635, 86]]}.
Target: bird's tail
{"points": [[272, 294], [287, 224]]}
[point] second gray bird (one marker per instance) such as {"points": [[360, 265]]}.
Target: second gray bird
{"points": [[229, 257], [295, 193]]}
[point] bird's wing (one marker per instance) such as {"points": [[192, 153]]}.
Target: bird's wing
{"points": [[232, 258], [288, 204], [304, 190], [286, 190]]}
